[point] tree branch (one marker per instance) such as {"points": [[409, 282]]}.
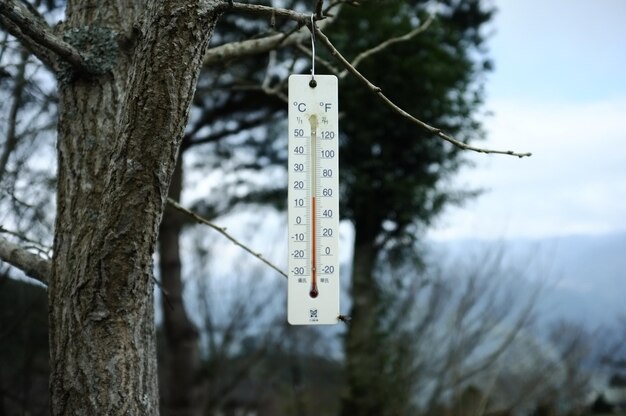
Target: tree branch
{"points": [[384, 45], [222, 231], [343, 318], [45, 55], [268, 11], [32, 265], [12, 136], [319, 13], [377, 90], [237, 50], [38, 37], [322, 61]]}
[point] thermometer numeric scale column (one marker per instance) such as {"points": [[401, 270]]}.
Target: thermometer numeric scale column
{"points": [[313, 205]]}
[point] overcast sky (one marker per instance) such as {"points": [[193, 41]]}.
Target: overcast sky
{"points": [[558, 91]]}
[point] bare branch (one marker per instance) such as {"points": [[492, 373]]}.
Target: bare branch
{"points": [[45, 55], [12, 137], [222, 231], [31, 264], [321, 60], [32, 244], [319, 13], [268, 11], [218, 135], [238, 50], [377, 90], [384, 45], [38, 37]]}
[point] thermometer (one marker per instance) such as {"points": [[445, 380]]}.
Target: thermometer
{"points": [[313, 193]]}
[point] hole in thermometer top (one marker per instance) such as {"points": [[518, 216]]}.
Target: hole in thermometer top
{"points": [[313, 201]]}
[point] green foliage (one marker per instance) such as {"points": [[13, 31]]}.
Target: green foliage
{"points": [[393, 172]]}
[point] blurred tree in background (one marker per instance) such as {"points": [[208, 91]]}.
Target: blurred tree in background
{"points": [[24, 368], [394, 179]]}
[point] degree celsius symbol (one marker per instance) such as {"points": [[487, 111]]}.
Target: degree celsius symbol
{"points": [[302, 106], [313, 201]]}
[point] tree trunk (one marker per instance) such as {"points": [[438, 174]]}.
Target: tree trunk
{"points": [[363, 364], [118, 139], [182, 361]]}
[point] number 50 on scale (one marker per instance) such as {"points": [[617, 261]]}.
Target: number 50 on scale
{"points": [[313, 192]]}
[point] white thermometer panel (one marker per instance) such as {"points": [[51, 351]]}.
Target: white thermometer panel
{"points": [[313, 192]]}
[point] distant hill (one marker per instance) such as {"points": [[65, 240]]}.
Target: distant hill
{"points": [[584, 277]]}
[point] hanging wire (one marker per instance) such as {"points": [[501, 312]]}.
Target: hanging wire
{"points": [[313, 83]]}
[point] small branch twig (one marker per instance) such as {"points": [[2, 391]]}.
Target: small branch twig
{"points": [[319, 59], [222, 231], [384, 45], [377, 90], [343, 318], [237, 50], [32, 265], [319, 12], [12, 136], [35, 245], [38, 37], [267, 11]]}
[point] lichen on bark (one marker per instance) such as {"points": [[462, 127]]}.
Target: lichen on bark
{"points": [[98, 45]]}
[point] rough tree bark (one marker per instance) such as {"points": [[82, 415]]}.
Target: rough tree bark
{"points": [[119, 134]]}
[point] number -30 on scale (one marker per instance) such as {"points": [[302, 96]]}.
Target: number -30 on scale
{"points": [[313, 192]]}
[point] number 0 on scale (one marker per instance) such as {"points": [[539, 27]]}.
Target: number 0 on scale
{"points": [[313, 192]]}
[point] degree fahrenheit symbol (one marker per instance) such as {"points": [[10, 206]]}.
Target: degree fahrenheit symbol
{"points": [[326, 106]]}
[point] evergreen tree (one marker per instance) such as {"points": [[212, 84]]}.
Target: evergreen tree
{"points": [[393, 177]]}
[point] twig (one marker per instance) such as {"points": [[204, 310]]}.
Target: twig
{"points": [[271, 63], [322, 61], [35, 245], [377, 90], [222, 231], [237, 50], [12, 137], [343, 318], [319, 5], [384, 45], [36, 35], [267, 11]]}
